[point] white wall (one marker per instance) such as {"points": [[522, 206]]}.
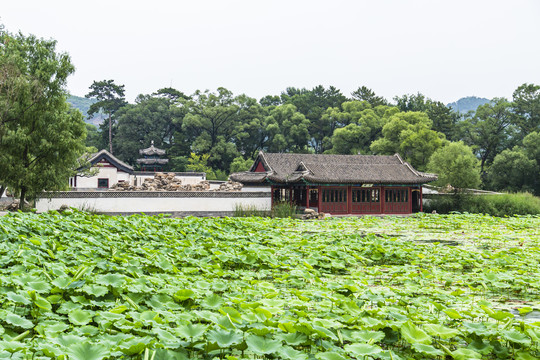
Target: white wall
{"points": [[111, 173], [116, 203]]}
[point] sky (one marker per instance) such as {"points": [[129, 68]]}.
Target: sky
{"points": [[445, 50]]}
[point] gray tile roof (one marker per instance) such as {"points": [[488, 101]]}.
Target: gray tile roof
{"points": [[104, 154], [322, 168]]}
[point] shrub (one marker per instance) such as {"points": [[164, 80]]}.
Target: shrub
{"points": [[283, 209], [496, 205], [249, 210]]}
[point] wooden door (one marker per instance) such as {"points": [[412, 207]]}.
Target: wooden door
{"points": [[396, 201], [366, 200], [334, 200]]}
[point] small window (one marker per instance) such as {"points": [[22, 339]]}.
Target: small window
{"points": [[103, 183]]}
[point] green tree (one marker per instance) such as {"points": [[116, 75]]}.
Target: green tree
{"points": [[312, 104], [110, 98], [456, 165], [409, 134], [512, 170], [365, 94], [526, 107], [152, 118], [211, 125], [442, 117], [41, 136], [240, 164], [289, 130], [361, 123], [489, 132], [93, 137]]}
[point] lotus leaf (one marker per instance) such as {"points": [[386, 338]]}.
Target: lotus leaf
{"points": [[427, 350], [361, 350], [262, 345], [414, 335], [224, 338], [19, 321], [87, 351], [440, 331], [465, 354], [330, 355], [80, 317], [191, 331]]}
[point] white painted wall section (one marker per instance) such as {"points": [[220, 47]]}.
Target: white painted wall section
{"points": [[214, 203]]}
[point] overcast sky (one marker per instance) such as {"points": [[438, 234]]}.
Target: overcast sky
{"points": [[443, 49]]}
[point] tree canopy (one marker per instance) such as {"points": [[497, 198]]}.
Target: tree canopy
{"points": [[41, 136]]}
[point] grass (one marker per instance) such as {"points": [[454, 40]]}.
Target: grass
{"points": [[279, 210], [495, 205]]}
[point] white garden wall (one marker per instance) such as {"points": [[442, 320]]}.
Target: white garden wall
{"points": [[181, 203]]}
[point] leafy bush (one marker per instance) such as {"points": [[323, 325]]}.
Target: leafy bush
{"points": [[495, 205]]}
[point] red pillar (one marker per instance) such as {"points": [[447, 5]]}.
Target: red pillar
{"points": [[290, 195], [349, 199], [410, 199], [421, 200], [383, 195], [319, 205], [307, 196]]}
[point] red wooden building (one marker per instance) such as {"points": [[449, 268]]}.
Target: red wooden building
{"points": [[340, 184]]}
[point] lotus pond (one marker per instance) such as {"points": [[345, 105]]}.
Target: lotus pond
{"points": [[83, 286]]}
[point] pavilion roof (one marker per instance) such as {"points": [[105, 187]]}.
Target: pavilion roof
{"points": [[325, 168]]}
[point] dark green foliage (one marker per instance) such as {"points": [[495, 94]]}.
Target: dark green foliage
{"points": [[110, 98], [526, 107], [323, 120], [365, 94], [41, 136], [495, 205]]}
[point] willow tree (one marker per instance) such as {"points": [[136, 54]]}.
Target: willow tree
{"points": [[41, 137]]}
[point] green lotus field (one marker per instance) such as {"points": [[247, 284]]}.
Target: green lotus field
{"points": [[87, 287]]}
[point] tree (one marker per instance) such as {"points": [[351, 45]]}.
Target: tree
{"points": [[240, 164], [150, 119], [41, 137], [365, 94], [93, 137], [289, 130], [110, 98], [512, 170], [410, 134], [211, 124], [455, 165], [526, 107], [312, 104], [489, 132], [444, 120], [362, 125]]}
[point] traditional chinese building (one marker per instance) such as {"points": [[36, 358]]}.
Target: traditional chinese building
{"points": [[339, 184], [152, 160], [107, 170]]}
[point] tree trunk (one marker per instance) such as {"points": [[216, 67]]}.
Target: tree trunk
{"points": [[2, 189], [110, 134], [21, 200]]}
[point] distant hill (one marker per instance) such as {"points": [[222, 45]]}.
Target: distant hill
{"points": [[466, 104], [83, 104]]}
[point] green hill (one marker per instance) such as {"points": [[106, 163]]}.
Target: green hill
{"points": [[83, 104], [466, 104]]}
